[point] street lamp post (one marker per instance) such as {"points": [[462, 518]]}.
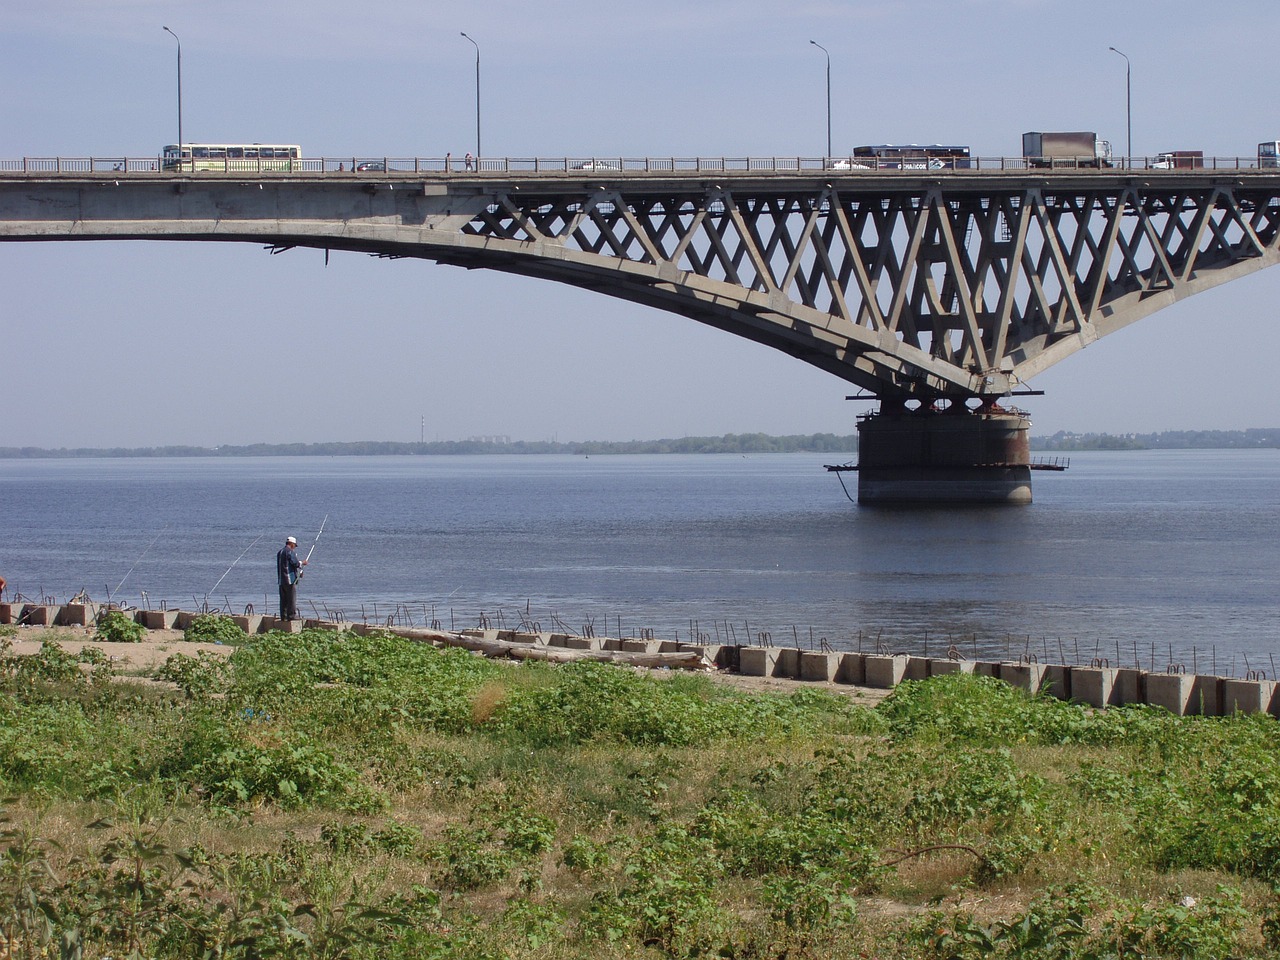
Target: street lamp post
{"points": [[824, 50], [1128, 107], [477, 46], [175, 37]]}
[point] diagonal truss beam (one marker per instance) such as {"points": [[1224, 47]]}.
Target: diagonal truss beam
{"points": [[957, 286]]}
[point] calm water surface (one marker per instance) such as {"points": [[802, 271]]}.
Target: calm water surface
{"points": [[1147, 556]]}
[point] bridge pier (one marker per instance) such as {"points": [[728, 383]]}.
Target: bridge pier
{"points": [[953, 456]]}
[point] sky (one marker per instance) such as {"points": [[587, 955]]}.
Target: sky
{"points": [[150, 343]]}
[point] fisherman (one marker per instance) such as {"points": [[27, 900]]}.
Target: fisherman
{"points": [[288, 572]]}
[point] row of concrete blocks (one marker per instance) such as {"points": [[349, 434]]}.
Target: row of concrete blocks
{"points": [[1180, 693], [86, 615]]}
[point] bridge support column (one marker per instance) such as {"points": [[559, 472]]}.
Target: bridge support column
{"points": [[954, 456]]}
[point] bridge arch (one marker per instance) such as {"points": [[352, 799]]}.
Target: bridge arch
{"points": [[940, 286]]}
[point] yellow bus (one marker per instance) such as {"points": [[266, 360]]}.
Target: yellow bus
{"points": [[232, 157]]}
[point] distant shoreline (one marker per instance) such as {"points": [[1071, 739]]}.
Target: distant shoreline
{"points": [[1251, 439]]}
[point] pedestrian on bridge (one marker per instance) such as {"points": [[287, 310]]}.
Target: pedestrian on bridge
{"points": [[469, 161], [288, 573]]}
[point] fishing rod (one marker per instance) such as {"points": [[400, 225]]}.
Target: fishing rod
{"points": [[235, 561], [307, 558], [136, 562]]}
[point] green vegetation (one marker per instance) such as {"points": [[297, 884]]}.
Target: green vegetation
{"points": [[329, 795], [1254, 439], [116, 626], [214, 628]]}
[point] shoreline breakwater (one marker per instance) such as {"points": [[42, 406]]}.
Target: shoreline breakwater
{"points": [[1097, 683]]}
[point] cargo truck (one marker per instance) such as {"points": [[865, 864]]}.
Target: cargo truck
{"points": [[1079, 149], [1179, 160]]}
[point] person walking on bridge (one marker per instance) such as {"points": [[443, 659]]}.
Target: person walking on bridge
{"points": [[288, 573]]}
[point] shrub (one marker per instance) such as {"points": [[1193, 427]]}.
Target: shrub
{"points": [[116, 626], [214, 628], [197, 676]]}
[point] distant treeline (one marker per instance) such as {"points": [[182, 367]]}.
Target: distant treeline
{"points": [[729, 443], [1168, 440]]}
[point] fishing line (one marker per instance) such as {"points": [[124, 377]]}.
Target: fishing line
{"points": [[235, 561], [136, 562]]}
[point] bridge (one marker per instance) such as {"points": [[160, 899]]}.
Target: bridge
{"points": [[938, 291]]}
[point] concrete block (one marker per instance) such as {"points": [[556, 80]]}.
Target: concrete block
{"points": [[986, 668], [669, 646], [853, 668], [529, 638], [757, 661], [37, 615], [250, 623], [884, 672], [1247, 696], [183, 619], [633, 645], [582, 643], [917, 669], [942, 668], [788, 663], [1206, 696], [1056, 681], [1130, 686], [158, 619], [1171, 691], [714, 652], [76, 614], [1093, 685], [480, 633], [1028, 677], [819, 666]]}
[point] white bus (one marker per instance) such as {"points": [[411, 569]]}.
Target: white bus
{"points": [[1269, 154], [232, 157]]}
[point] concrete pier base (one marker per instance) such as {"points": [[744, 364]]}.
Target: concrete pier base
{"points": [[956, 456]]}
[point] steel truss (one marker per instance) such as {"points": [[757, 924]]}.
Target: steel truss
{"points": [[954, 286], [952, 291]]}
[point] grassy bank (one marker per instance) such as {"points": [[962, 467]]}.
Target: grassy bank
{"points": [[328, 795]]}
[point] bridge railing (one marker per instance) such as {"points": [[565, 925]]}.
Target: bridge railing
{"points": [[595, 166]]}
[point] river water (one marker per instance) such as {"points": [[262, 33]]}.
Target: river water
{"points": [[1147, 557]]}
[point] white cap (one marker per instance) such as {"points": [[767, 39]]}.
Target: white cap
{"points": [[291, 540]]}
